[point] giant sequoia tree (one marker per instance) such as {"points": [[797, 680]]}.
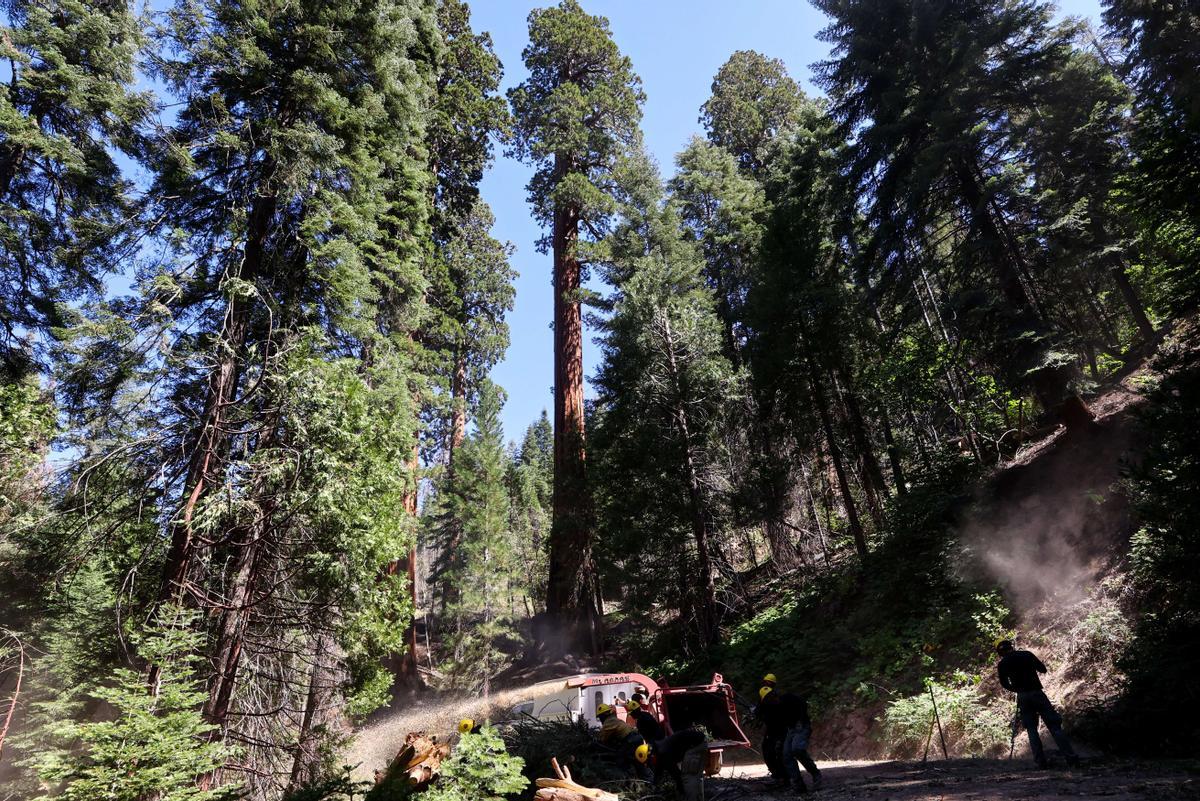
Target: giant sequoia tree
{"points": [[575, 118]]}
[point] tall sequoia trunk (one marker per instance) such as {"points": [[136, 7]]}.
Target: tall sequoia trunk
{"points": [[696, 497], [405, 666], [573, 587], [458, 411]]}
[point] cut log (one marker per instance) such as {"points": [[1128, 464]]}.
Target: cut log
{"points": [[586, 792], [419, 761], [558, 794]]}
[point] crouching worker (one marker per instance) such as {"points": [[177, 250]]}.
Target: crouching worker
{"points": [[683, 755], [630, 746], [1019, 674]]}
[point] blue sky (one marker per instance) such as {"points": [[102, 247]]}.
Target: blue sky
{"points": [[676, 47]]}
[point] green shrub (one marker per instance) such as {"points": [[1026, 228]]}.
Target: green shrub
{"points": [[479, 769], [155, 746], [971, 725]]}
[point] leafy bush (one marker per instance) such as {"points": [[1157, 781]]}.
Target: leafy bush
{"points": [[972, 726]]}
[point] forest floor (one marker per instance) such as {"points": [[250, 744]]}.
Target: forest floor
{"points": [[974, 780]]}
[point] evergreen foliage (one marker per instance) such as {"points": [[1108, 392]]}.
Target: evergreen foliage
{"points": [[66, 215], [157, 743], [479, 768]]}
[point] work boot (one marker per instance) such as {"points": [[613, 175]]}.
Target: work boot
{"points": [[817, 783]]}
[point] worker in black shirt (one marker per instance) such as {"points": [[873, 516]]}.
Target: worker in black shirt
{"points": [[1019, 674], [785, 716], [774, 731], [670, 753], [647, 725]]}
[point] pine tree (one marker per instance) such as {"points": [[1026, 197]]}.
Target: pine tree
{"points": [[292, 189], [1162, 63], [664, 386], [66, 215], [932, 141], [155, 744], [575, 117], [482, 613]]}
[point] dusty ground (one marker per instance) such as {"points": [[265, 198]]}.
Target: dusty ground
{"points": [[974, 780]]}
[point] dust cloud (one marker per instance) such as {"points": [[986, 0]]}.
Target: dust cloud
{"points": [[373, 745], [1046, 529]]}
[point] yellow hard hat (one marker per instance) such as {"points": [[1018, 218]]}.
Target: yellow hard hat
{"points": [[642, 753], [603, 709], [763, 692], [632, 706], [769, 678], [465, 725]]}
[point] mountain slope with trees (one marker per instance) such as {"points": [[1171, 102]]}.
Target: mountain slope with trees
{"points": [[253, 483]]}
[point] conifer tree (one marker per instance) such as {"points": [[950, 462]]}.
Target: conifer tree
{"points": [[66, 215], [292, 188], [754, 104], [931, 142], [664, 387], [574, 119], [1162, 63], [482, 612]]}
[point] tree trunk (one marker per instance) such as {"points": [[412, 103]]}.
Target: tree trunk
{"points": [[835, 454], [573, 585], [222, 388], [458, 413], [306, 765], [1136, 310], [405, 667], [1005, 266]]}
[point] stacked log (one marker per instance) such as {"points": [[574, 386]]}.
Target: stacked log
{"points": [[564, 788], [418, 762]]}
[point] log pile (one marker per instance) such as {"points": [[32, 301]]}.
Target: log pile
{"points": [[418, 762], [564, 788]]}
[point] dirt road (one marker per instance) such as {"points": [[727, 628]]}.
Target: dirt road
{"points": [[974, 780]]}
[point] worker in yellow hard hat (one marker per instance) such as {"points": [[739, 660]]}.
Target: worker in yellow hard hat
{"points": [[625, 740], [467, 726], [647, 724], [767, 711], [769, 680]]}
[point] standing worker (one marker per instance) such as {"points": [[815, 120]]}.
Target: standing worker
{"points": [[774, 731], [794, 710], [1019, 674], [630, 746], [647, 725]]}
